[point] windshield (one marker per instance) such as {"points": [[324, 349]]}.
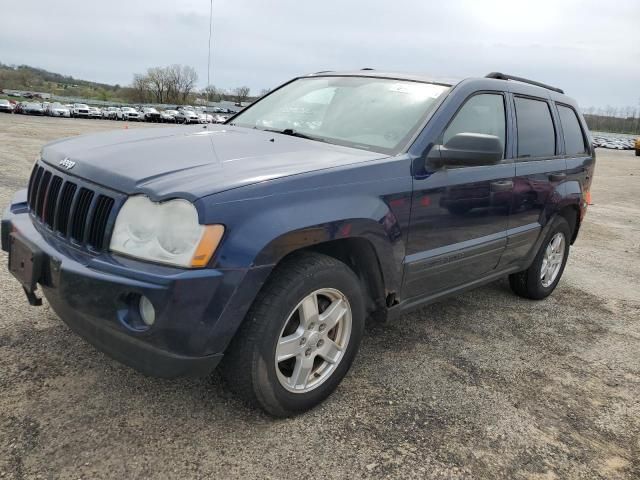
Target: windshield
{"points": [[81, 105], [361, 112]]}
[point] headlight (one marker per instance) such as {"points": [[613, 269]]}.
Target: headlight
{"points": [[166, 232]]}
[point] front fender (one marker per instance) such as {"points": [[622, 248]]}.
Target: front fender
{"points": [[275, 227], [265, 223], [383, 235]]}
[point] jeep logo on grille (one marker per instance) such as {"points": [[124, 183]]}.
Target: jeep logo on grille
{"points": [[66, 163]]}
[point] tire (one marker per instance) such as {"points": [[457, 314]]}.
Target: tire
{"points": [[529, 283], [249, 366], [637, 152]]}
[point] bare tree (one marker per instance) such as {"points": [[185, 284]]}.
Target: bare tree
{"points": [[186, 79], [158, 81], [212, 93], [241, 93], [140, 87], [173, 84]]}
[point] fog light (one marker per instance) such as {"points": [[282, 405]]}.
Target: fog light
{"points": [[147, 312]]}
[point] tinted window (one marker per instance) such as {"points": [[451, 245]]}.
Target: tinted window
{"points": [[482, 113], [536, 135], [573, 138]]}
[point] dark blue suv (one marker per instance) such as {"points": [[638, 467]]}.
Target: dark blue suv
{"points": [[264, 243]]}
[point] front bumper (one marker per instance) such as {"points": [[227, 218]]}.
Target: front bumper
{"points": [[197, 311]]}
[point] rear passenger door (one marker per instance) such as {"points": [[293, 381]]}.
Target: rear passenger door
{"points": [[540, 167]]}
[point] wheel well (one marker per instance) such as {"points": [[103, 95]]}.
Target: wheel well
{"points": [[360, 255], [571, 215]]}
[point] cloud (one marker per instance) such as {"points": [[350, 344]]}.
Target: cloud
{"points": [[590, 49]]}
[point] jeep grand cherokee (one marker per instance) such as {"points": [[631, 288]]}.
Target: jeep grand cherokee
{"points": [[265, 242]]}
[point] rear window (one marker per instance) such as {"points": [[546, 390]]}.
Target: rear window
{"points": [[573, 137], [536, 135]]}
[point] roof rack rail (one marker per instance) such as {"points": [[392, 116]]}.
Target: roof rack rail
{"points": [[366, 68], [322, 71], [504, 76]]}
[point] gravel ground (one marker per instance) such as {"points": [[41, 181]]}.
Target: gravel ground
{"points": [[484, 385]]}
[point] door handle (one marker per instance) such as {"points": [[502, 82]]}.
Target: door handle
{"points": [[502, 186], [557, 177]]}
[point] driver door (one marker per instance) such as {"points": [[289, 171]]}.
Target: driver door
{"points": [[459, 215]]}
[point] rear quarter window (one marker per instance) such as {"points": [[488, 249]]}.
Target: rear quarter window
{"points": [[574, 143], [536, 133]]}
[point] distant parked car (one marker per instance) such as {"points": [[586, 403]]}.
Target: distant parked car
{"points": [[187, 116], [168, 116], [128, 113], [57, 110], [95, 112], [80, 110], [219, 118], [33, 108], [150, 114], [204, 117], [6, 106], [110, 113]]}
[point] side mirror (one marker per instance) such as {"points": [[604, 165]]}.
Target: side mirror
{"points": [[466, 150]]}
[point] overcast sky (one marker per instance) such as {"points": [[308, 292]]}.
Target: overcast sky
{"points": [[589, 48]]}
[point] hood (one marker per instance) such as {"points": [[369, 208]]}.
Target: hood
{"points": [[192, 162]]}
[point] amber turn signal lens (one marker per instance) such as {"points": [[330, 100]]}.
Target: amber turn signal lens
{"points": [[208, 243]]}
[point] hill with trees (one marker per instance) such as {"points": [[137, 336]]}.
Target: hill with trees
{"points": [[27, 78], [174, 84]]}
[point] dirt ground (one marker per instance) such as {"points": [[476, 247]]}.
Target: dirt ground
{"points": [[484, 385]]}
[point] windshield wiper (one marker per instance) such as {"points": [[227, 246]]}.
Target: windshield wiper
{"points": [[292, 133]]}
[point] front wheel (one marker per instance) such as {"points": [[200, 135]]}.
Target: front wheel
{"points": [[300, 336], [542, 277]]}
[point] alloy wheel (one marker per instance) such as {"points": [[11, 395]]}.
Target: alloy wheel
{"points": [[552, 260], [313, 340]]}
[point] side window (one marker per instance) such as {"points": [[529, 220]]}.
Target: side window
{"points": [[536, 134], [573, 137], [482, 113]]}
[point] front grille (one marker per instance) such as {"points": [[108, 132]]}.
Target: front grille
{"points": [[78, 212]]}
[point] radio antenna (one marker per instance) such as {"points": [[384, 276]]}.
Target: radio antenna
{"points": [[209, 58]]}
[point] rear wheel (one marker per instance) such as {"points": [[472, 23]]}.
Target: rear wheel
{"points": [[542, 277], [299, 337]]}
